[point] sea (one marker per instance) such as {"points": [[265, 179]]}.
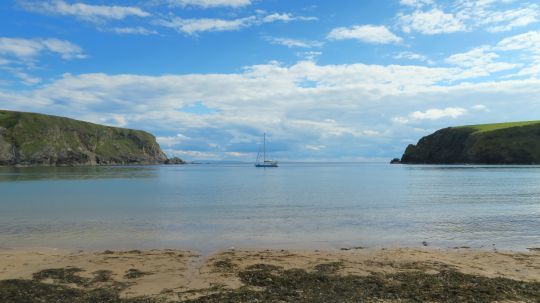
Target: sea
{"points": [[208, 207]]}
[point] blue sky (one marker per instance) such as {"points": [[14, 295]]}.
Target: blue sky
{"points": [[327, 80]]}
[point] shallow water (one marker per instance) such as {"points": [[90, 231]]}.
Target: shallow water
{"points": [[208, 207]]}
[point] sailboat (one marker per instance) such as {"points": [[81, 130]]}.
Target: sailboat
{"points": [[264, 163]]}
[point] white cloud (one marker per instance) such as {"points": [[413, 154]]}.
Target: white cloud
{"points": [[480, 107], [18, 56], [134, 31], [436, 114], [348, 108], [194, 26], [476, 57], [172, 140], [315, 147], [480, 61], [285, 18], [412, 56], [28, 49], [416, 3], [211, 3], [376, 34], [94, 13], [510, 19], [430, 114], [529, 41], [429, 17], [495, 19], [529, 44], [309, 55], [431, 22], [25, 78], [288, 42]]}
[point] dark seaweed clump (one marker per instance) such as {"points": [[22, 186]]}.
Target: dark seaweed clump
{"points": [[30, 291], [61, 275], [270, 283], [225, 266], [102, 276], [296, 285], [134, 273]]}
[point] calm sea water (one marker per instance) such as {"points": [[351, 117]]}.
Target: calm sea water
{"points": [[208, 207]]}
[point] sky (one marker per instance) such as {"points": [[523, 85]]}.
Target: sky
{"points": [[344, 80]]}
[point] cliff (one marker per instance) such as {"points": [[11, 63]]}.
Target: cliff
{"points": [[36, 139], [501, 143]]}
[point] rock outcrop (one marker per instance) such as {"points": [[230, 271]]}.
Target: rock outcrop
{"points": [[503, 143], [34, 139]]}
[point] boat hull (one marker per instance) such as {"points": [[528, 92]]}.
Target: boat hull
{"points": [[266, 165]]}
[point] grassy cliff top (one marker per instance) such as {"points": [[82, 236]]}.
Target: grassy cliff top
{"points": [[9, 119], [481, 128]]}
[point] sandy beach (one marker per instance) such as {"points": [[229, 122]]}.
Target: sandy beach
{"points": [[346, 275]]}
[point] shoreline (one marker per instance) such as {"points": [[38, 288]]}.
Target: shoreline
{"points": [[177, 275]]}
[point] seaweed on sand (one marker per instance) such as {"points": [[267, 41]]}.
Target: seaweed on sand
{"points": [[270, 283], [102, 276], [297, 285], [134, 273], [225, 266], [61, 275], [31, 291]]}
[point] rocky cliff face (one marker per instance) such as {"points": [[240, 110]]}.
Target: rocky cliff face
{"points": [[35, 139], [509, 143]]}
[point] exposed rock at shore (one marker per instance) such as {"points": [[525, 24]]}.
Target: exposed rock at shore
{"points": [[504, 143], [29, 139], [175, 161]]}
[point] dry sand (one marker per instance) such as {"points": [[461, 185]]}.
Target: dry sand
{"points": [[180, 275]]}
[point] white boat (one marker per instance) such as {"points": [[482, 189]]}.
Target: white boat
{"points": [[264, 162]]}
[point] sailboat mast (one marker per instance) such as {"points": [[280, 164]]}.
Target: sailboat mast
{"points": [[264, 150]]}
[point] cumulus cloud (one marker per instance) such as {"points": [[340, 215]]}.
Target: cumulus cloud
{"points": [[348, 107], [172, 140], [529, 45], [199, 25], [436, 114], [480, 107], [138, 30], [376, 34], [431, 22], [529, 41], [412, 56], [431, 114], [480, 61], [430, 18], [510, 19], [94, 13], [18, 56], [28, 49], [292, 43]]}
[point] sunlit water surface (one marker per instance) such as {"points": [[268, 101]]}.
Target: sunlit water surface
{"points": [[209, 207]]}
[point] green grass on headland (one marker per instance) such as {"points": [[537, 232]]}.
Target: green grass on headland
{"points": [[480, 128], [37, 139]]}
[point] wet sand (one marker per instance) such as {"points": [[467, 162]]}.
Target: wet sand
{"points": [[244, 275]]}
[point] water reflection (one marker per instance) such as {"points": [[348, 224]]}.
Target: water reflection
{"points": [[76, 173], [209, 207]]}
